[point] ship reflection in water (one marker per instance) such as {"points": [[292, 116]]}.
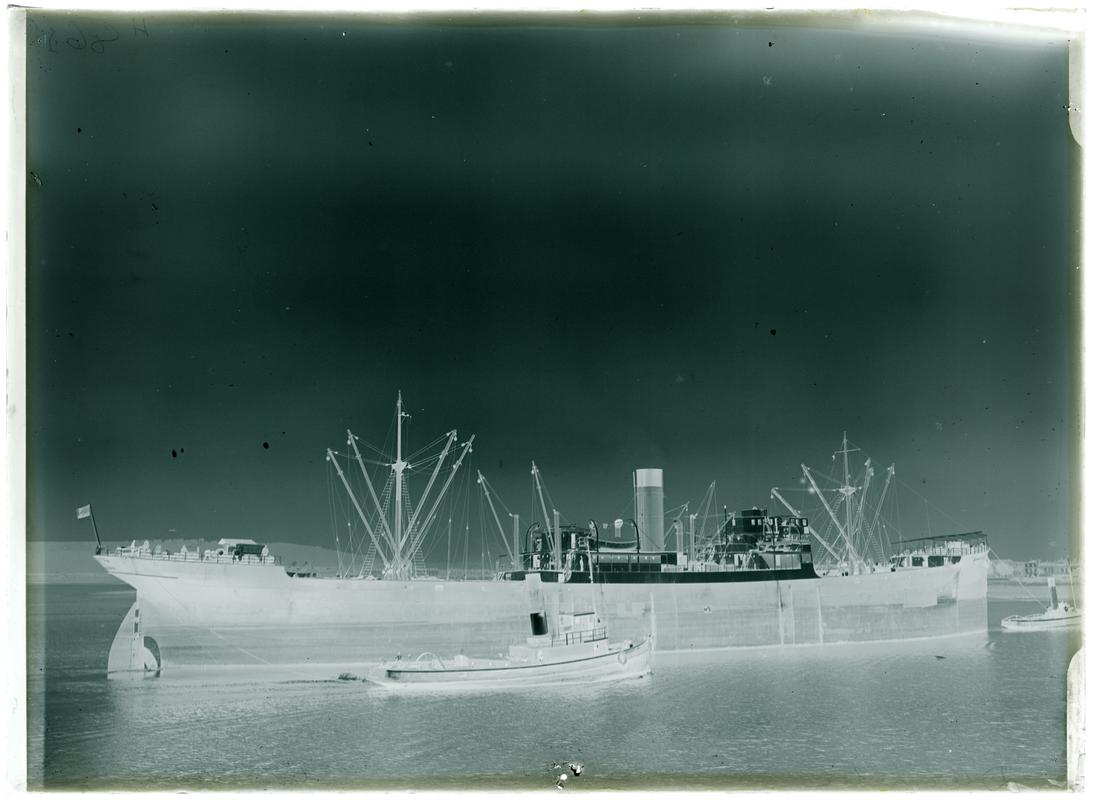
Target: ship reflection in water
{"points": [[959, 712]]}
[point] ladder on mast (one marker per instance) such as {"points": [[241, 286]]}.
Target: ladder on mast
{"points": [[370, 559]]}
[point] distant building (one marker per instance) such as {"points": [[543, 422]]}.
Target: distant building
{"points": [[1047, 569]]}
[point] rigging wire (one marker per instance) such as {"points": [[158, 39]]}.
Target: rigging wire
{"points": [[458, 493], [333, 516], [551, 502], [435, 443], [939, 510], [349, 524]]}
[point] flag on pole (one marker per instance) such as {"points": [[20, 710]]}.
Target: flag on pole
{"points": [[83, 512]]}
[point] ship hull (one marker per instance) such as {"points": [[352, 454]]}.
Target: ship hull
{"points": [[202, 614]]}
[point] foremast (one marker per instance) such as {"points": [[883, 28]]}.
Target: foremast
{"points": [[397, 470], [398, 543]]}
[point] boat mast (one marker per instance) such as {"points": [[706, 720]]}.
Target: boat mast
{"points": [[1072, 588], [691, 557], [848, 491], [398, 468], [515, 553], [410, 520]]}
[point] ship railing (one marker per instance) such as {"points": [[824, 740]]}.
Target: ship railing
{"points": [[206, 557], [581, 637], [747, 566], [945, 544], [951, 549]]}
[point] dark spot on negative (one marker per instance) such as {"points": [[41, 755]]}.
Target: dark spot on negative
{"points": [[772, 331], [174, 454], [770, 44], [266, 445], [79, 130]]}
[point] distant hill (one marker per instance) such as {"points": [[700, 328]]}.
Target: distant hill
{"points": [[69, 562]]}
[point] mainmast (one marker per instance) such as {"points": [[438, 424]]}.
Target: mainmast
{"points": [[856, 529], [398, 469]]}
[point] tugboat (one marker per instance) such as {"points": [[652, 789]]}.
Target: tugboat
{"points": [[577, 651], [1058, 616]]}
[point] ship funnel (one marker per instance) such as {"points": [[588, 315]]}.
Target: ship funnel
{"points": [[1053, 593], [648, 487]]}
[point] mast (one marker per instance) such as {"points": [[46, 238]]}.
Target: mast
{"points": [[398, 468], [1072, 588], [515, 554], [692, 539], [847, 492], [398, 543], [557, 544]]}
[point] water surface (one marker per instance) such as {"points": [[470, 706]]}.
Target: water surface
{"points": [[967, 712]]}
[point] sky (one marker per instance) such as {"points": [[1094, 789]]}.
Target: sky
{"points": [[708, 246]]}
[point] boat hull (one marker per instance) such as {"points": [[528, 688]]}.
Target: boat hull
{"points": [[619, 663], [215, 614], [1040, 623]]}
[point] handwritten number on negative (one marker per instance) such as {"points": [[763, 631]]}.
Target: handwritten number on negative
{"points": [[95, 39]]}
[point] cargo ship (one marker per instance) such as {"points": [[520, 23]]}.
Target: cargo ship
{"points": [[752, 581]]}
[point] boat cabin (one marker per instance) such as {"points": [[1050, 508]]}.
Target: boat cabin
{"points": [[239, 549], [578, 628]]}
